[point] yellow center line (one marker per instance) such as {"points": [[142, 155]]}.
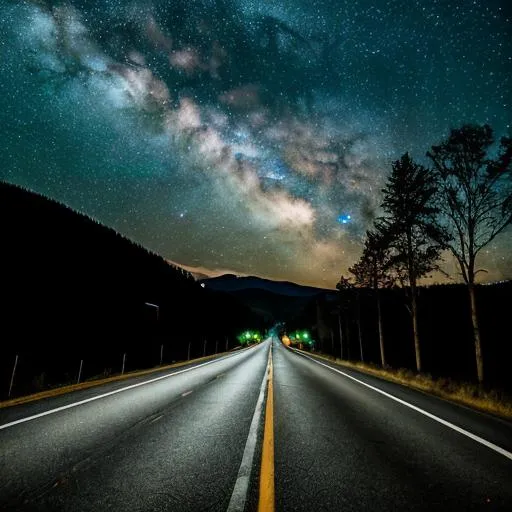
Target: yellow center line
{"points": [[266, 497]]}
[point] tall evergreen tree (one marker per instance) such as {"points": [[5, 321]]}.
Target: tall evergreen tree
{"points": [[416, 241], [475, 199]]}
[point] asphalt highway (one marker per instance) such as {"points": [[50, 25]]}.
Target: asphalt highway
{"points": [[192, 439]]}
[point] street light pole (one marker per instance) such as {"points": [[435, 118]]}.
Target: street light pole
{"points": [[154, 306]]}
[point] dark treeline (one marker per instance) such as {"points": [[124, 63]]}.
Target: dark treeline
{"points": [[444, 324], [456, 207], [72, 289]]}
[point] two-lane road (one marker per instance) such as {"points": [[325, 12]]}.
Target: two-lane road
{"points": [[192, 440]]}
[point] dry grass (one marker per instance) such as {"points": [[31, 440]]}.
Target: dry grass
{"points": [[491, 401], [61, 390]]}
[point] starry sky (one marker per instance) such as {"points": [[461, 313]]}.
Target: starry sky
{"points": [[243, 136]]}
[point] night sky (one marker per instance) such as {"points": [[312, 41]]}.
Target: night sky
{"points": [[245, 136]]}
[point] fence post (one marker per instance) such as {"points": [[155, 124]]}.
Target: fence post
{"points": [[12, 376], [216, 346], [124, 359], [80, 371], [341, 336], [188, 352], [204, 348], [161, 354]]}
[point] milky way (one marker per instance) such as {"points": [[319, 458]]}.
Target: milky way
{"points": [[243, 136]]}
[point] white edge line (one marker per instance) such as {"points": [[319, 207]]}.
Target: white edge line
{"points": [[131, 386], [239, 495], [474, 437]]}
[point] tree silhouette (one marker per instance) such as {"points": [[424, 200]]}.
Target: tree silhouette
{"points": [[414, 238], [373, 271], [475, 198]]}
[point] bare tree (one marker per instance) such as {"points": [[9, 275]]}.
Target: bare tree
{"points": [[345, 286], [373, 271], [475, 197], [348, 291]]}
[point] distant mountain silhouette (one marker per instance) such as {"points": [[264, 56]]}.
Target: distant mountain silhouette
{"points": [[74, 289], [233, 283], [277, 301]]}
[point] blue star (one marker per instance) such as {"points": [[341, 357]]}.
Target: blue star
{"points": [[344, 219]]}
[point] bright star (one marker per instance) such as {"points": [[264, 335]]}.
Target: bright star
{"points": [[344, 219]]}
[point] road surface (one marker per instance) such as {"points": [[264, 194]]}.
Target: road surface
{"points": [[191, 439]]}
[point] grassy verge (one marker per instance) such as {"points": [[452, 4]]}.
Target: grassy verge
{"points": [[97, 381], [465, 393]]}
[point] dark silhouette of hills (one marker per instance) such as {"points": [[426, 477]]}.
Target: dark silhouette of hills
{"points": [[233, 283], [74, 289], [276, 301]]}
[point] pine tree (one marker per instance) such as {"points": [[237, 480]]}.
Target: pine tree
{"points": [[415, 240]]}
